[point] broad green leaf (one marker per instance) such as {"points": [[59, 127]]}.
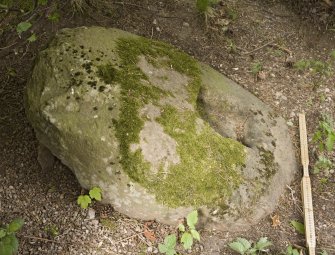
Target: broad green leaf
{"points": [[263, 243], [330, 141], [15, 225], [95, 193], [2, 233], [84, 201], [192, 219], [195, 234], [181, 227], [170, 241], [295, 252], [22, 27], [32, 38], [246, 244], [299, 227], [187, 240], [9, 245], [162, 248], [238, 247]]}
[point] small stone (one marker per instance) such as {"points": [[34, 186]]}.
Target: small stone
{"points": [[289, 123], [154, 22], [327, 90], [185, 24], [90, 214], [149, 249]]}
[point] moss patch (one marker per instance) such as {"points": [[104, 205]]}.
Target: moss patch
{"points": [[208, 171]]}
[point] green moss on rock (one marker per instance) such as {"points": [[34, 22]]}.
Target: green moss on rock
{"points": [[209, 167]]}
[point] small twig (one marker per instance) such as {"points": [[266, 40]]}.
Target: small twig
{"points": [[129, 237], [259, 48], [6, 47]]}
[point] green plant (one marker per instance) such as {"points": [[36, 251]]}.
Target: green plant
{"points": [[22, 27], [323, 164], [323, 252], [291, 251], [316, 66], [243, 246], [325, 134], [189, 233], [54, 17], [256, 68], [298, 226], [205, 7], [52, 230], [85, 200], [169, 245], [8, 242]]}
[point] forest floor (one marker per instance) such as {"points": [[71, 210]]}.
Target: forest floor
{"points": [[258, 44]]}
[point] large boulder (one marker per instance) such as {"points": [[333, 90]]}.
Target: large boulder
{"points": [[158, 132]]}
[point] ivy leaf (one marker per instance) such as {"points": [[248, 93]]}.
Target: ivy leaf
{"points": [[22, 27], [192, 219], [299, 227], [187, 240], [195, 234], [95, 193], [84, 201], [15, 225], [181, 227], [32, 38]]}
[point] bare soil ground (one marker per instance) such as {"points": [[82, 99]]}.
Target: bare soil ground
{"points": [[255, 43]]}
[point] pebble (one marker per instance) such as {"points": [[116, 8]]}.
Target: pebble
{"points": [[90, 214], [289, 123], [185, 24]]}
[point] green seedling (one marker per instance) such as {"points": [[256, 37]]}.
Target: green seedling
{"points": [[325, 134], [205, 7], [169, 245], [22, 27], [291, 251], [323, 164], [189, 233], [298, 226], [256, 68], [54, 17], [85, 200], [32, 38], [243, 246], [52, 230], [9, 244]]}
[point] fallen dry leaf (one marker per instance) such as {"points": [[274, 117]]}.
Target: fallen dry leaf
{"points": [[149, 234], [275, 221]]}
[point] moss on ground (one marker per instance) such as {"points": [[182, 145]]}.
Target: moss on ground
{"points": [[208, 171]]}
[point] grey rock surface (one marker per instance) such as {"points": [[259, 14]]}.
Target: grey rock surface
{"points": [[158, 132]]}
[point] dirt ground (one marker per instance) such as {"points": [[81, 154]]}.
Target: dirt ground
{"points": [[255, 43]]}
